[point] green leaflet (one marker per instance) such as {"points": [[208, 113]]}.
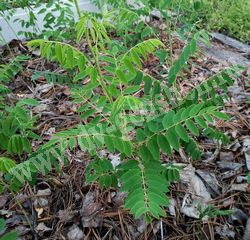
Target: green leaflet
{"points": [[173, 139], [6, 164], [220, 115], [141, 50], [201, 121], [121, 76], [145, 154], [146, 32], [147, 85], [192, 149], [103, 172], [131, 90], [168, 119], [192, 127], [182, 133], [68, 56], [178, 65], [208, 118], [164, 144], [153, 148], [221, 80], [9, 71], [172, 173]]}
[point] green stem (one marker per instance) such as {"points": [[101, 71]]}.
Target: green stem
{"points": [[11, 28], [101, 81], [7, 45], [77, 8], [169, 20]]}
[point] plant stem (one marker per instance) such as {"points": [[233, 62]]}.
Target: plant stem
{"points": [[77, 8], [169, 21], [7, 45], [101, 81], [11, 28]]}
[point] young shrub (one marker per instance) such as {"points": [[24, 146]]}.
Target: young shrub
{"points": [[140, 129]]}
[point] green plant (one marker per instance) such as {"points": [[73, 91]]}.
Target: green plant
{"points": [[128, 20], [51, 77], [58, 27], [212, 212], [6, 236], [235, 20], [5, 165], [141, 129], [230, 16], [8, 72], [16, 128]]}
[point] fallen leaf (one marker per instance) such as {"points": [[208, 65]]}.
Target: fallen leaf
{"points": [[75, 233], [41, 227]]}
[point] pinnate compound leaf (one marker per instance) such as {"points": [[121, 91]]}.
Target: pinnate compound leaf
{"points": [[6, 164]]}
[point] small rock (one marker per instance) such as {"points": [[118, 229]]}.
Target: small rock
{"points": [[234, 134], [75, 233], [36, 52], [234, 146]]}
